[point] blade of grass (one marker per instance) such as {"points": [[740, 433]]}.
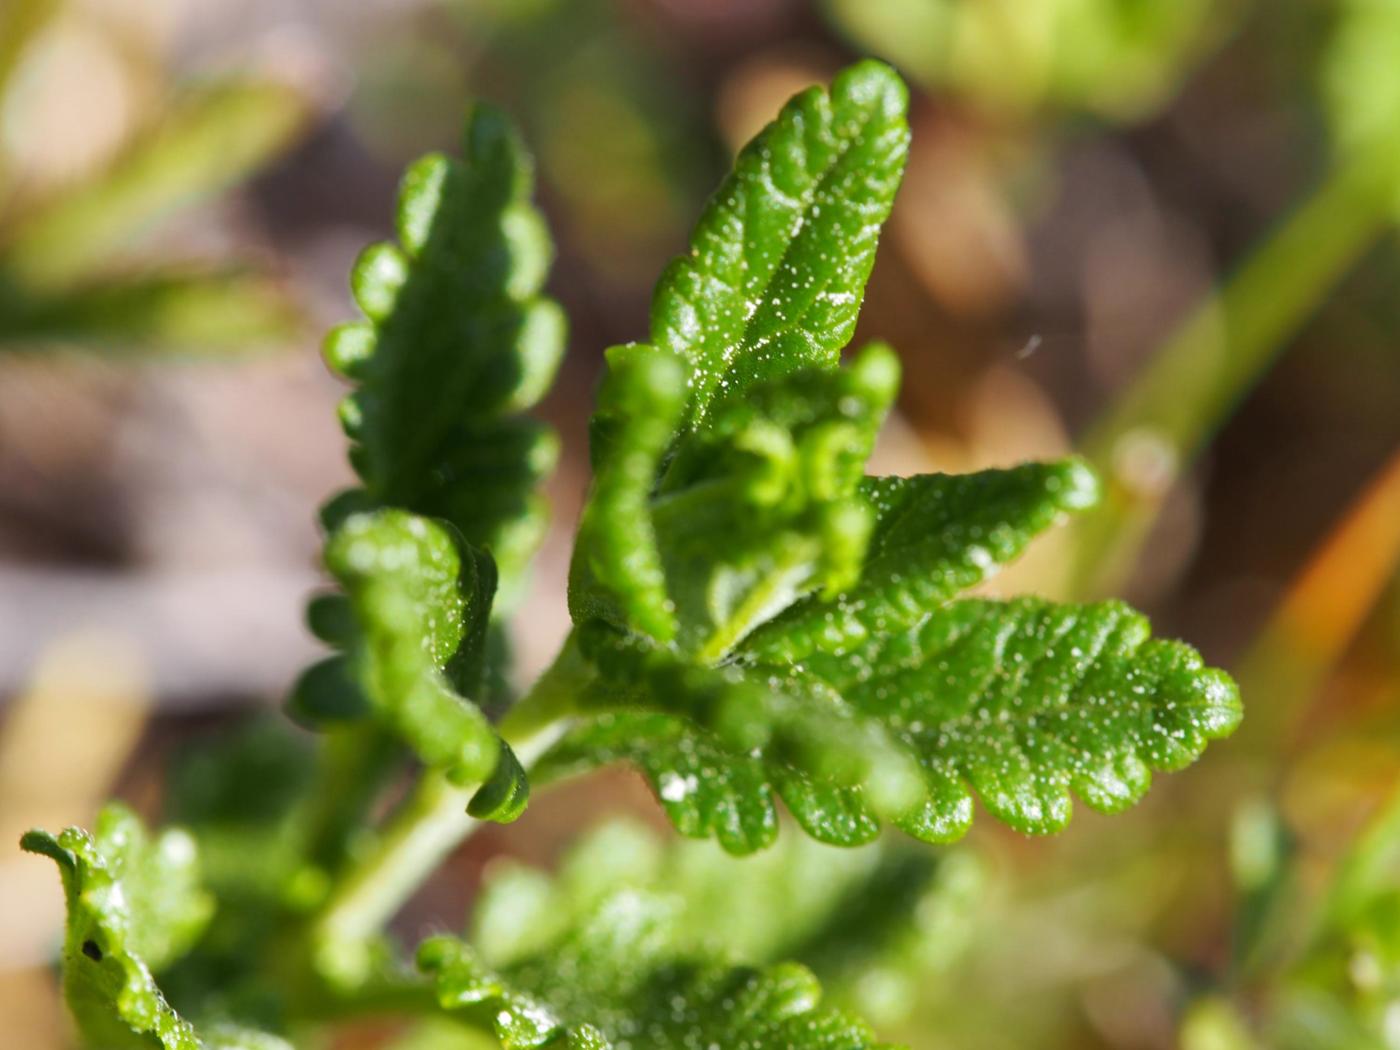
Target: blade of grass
{"points": [[210, 140], [161, 313]]}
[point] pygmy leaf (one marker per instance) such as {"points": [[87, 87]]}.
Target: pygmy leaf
{"points": [[617, 573], [760, 509]]}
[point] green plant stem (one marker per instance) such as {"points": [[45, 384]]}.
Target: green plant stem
{"points": [[427, 827], [424, 830], [1213, 359]]}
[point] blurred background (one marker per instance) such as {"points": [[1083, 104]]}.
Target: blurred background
{"points": [[1158, 231]]}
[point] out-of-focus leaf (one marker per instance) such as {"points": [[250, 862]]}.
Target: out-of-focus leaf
{"points": [[209, 140], [457, 341], [240, 797], [190, 313], [839, 911], [1118, 59], [679, 908], [1361, 86], [613, 982], [20, 23], [134, 905]]}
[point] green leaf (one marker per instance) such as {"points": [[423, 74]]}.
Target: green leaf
{"points": [[844, 913], [710, 789], [616, 978], [662, 941], [210, 139], [1021, 701], [757, 511], [616, 573], [239, 794], [421, 599], [779, 259], [707, 790], [756, 910], [764, 622], [181, 312], [455, 342], [1026, 700], [232, 1037], [134, 905], [935, 536]]}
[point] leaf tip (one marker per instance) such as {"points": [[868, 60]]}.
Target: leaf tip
{"points": [[1075, 484], [41, 843], [872, 82]]}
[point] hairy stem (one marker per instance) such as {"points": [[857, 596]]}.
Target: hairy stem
{"points": [[1222, 348]]}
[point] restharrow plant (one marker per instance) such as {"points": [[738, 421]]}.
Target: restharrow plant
{"points": [[755, 620]]}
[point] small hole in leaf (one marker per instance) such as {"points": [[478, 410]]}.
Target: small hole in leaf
{"points": [[92, 951]]}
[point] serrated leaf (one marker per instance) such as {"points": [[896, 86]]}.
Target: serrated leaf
{"points": [[134, 905], [935, 536], [841, 912], [615, 978], [789, 646], [1026, 700], [779, 259], [709, 789], [1021, 702], [456, 340], [421, 599]]}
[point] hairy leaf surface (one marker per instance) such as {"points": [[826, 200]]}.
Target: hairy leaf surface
{"points": [[935, 536], [456, 341], [1022, 702], [779, 259]]}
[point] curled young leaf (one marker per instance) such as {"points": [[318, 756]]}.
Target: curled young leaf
{"points": [[455, 342], [421, 602]]}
